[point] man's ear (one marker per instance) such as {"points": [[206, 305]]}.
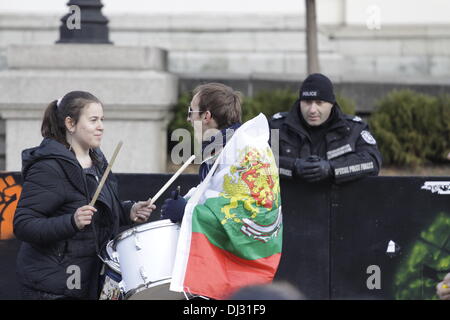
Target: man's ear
{"points": [[207, 116]]}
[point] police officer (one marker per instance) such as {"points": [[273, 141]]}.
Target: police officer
{"points": [[318, 142]]}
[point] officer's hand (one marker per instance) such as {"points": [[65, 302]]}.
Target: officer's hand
{"points": [[313, 170], [300, 166], [173, 208]]}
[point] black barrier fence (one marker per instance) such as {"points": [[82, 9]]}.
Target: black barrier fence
{"points": [[378, 238]]}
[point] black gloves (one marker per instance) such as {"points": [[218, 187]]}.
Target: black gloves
{"points": [[173, 208], [312, 169]]}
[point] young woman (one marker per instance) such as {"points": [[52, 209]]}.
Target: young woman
{"points": [[61, 233]]}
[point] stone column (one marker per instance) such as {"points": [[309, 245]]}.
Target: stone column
{"points": [[132, 82]]}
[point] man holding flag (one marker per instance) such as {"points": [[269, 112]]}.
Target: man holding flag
{"points": [[231, 231]]}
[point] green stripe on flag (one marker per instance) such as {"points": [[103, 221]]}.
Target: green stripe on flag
{"points": [[210, 219]]}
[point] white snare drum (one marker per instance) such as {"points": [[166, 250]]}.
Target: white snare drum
{"points": [[146, 255]]}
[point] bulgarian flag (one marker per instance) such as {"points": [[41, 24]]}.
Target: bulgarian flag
{"points": [[231, 234]]}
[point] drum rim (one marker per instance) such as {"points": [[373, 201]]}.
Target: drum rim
{"points": [[113, 266], [147, 285], [110, 261], [140, 228]]}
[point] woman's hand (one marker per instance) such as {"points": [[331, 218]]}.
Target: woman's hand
{"points": [[140, 212], [83, 216]]}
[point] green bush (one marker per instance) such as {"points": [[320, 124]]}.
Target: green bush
{"points": [[412, 128], [180, 111], [273, 101], [267, 102], [347, 105]]}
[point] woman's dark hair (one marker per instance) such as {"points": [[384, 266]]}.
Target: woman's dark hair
{"points": [[70, 105]]}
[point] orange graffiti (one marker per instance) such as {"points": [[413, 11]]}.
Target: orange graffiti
{"points": [[9, 197]]}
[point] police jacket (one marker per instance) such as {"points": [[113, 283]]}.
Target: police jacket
{"points": [[54, 251], [345, 141]]}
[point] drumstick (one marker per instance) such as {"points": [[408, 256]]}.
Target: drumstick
{"points": [[105, 174], [168, 183]]}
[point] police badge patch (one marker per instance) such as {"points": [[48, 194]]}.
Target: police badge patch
{"points": [[368, 137], [277, 116]]}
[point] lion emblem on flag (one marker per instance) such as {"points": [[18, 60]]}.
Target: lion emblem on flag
{"points": [[254, 183]]}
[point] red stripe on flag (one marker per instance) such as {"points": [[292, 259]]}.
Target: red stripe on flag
{"points": [[216, 273]]}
